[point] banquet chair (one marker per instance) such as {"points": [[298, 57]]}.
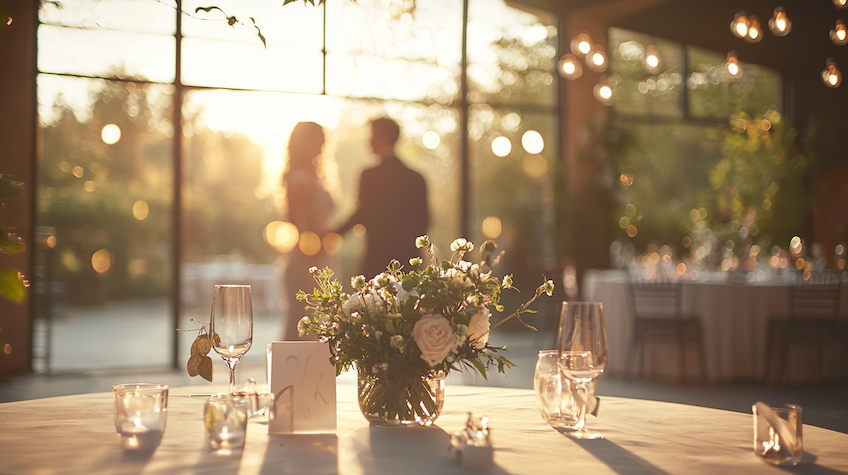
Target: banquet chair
{"points": [[658, 317], [812, 320]]}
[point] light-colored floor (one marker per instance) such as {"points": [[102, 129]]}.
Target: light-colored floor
{"points": [[94, 348]]}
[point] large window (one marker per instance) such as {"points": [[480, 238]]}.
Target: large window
{"points": [[709, 189], [110, 149]]}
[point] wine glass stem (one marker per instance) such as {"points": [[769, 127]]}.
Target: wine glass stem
{"points": [[231, 364], [581, 406]]}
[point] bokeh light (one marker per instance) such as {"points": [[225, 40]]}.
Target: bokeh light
{"points": [[501, 146], [309, 243], [281, 235], [359, 230], [110, 134], [140, 210], [491, 227], [631, 231], [431, 139], [332, 243], [77, 171], [532, 142], [101, 261], [534, 166]]}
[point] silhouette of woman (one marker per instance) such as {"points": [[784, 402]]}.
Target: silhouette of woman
{"points": [[310, 208]]}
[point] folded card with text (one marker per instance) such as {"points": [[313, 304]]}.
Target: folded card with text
{"points": [[303, 382]]}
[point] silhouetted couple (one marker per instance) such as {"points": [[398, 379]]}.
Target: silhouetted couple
{"points": [[392, 206]]}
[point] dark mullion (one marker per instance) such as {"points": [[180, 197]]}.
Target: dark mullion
{"points": [[464, 166], [177, 199]]}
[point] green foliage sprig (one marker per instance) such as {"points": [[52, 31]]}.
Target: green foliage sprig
{"points": [[12, 285]]}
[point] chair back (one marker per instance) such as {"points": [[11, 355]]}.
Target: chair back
{"points": [[817, 296], [656, 298]]}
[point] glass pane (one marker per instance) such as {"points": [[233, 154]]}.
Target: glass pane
{"points": [[374, 77], [513, 189], [714, 93], [235, 156], [250, 66], [640, 89], [124, 15], [292, 26], [425, 31], [511, 55], [106, 53], [105, 175]]}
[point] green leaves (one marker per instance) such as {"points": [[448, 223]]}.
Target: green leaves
{"points": [[9, 246], [4, 17], [11, 287]]}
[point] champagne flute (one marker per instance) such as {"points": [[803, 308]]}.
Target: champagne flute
{"points": [[582, 344], [232, 325]]}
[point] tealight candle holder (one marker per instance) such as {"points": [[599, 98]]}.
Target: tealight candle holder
{"points": [[141, 411], [225, 423]]}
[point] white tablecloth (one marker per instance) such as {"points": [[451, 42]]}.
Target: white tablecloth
{"points": [[75, 434], [734, 319]]}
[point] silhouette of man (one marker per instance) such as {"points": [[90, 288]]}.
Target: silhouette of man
{"points": [[392, 204]]}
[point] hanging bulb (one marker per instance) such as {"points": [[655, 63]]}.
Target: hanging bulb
{"points": [[838, 35], [569, 67], [755, 33], [603, 91], [831, 76], [733, 68], [779, 23], [739, 25], [652, 59], [596, 60], [581, 44], [841, 4]]}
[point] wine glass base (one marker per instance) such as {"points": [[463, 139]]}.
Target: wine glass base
{"points": [[580, 434]]}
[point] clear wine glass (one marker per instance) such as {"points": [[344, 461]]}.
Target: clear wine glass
{"points": [[582, 344], [232, 325]]}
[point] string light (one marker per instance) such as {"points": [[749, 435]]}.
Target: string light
{"points": [[603, 91], [581, 44], [755, 33], [739, 25], [597, 59], [831, 76], [652, 59], [569, 67], [732, 66], [838, 35], [841, 4], [780, 24]]}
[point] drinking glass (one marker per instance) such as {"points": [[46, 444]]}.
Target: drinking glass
{"points": [[582, 344], [141, 411], [232, 325], [554, 395]]}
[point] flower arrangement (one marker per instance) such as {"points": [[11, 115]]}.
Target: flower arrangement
{"points": [[401, 327]]}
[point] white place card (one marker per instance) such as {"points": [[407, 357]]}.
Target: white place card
{"points": [[303, 381]]}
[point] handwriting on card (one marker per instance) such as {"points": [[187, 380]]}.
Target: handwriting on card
{"points": [[304, 387]]}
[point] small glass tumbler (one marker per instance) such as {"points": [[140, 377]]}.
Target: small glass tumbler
{"points": [[225, 422], [554, 393], [782, 445], [141, 410]]}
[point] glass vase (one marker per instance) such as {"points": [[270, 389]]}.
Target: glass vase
{"points": [[398, 401]]}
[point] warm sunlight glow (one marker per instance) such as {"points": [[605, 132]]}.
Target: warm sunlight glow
{"points": [[532, 142], [534, 166], [501, 146], [110, 134]]}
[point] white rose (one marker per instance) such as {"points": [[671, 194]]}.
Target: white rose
{"points": [[352, 305], [457, 279], [434, 336], [402, 295], [478, 328]]}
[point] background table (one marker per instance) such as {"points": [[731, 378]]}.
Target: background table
{"points": [[734, 319], [75, 434]]}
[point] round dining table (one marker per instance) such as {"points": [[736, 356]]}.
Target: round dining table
{"points": [[76, 435]]}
